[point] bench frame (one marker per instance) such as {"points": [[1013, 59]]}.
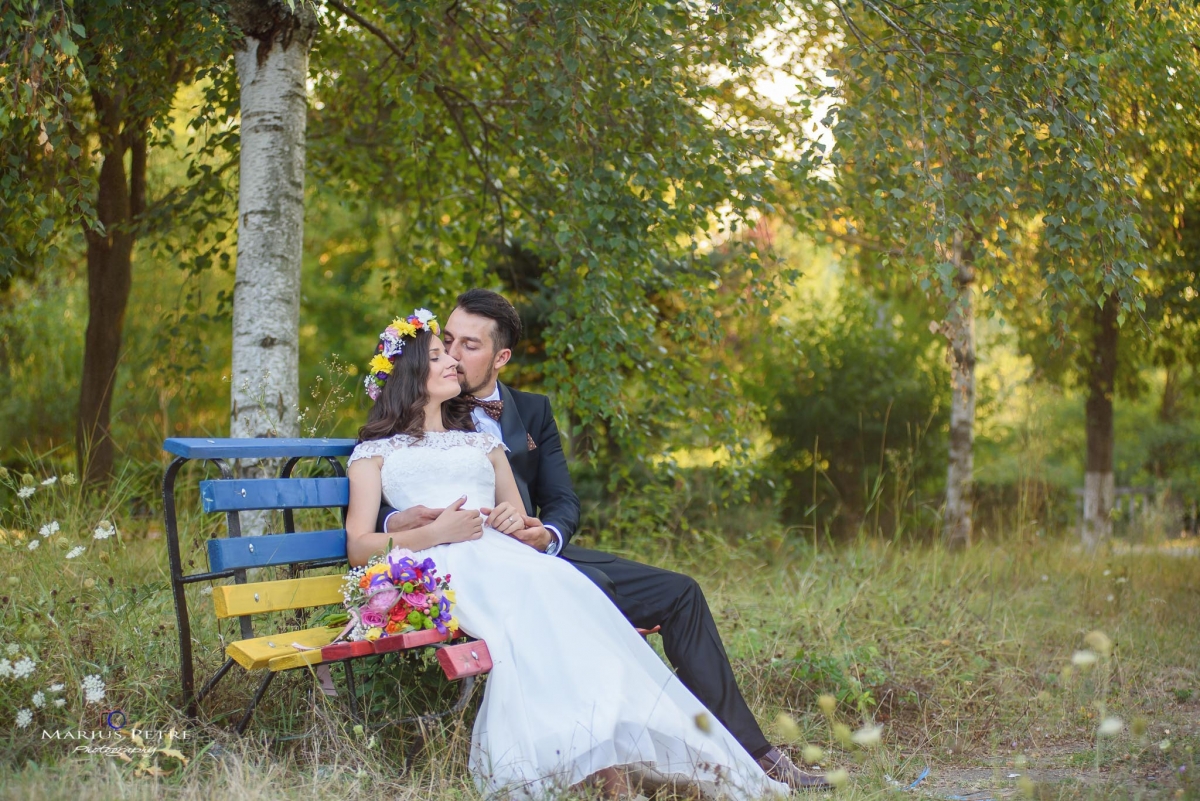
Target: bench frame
{"points": [[221, 452]]}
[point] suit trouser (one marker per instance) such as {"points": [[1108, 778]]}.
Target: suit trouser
{"points": [[650, 596]]}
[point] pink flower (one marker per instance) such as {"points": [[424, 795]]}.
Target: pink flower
{"points": [[417, 600], [383, 600], [371, 618]]}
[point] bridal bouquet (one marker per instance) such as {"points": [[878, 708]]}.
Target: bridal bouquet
{"points": [[393, 594]]}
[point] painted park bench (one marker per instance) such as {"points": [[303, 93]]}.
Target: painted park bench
{"points": [[231, 556]]}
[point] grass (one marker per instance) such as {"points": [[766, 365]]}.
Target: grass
{"points": [[967, 660]]}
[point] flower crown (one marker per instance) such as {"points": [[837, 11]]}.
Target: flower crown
{"points": [[391, 345]]}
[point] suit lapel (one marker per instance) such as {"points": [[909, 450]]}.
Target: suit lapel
{"points": [[516, 438], [511, 427]]}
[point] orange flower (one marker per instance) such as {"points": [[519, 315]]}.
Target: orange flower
{"points": [[392, 627], [364, 582]]}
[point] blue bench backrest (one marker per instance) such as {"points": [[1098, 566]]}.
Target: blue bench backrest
{"points": [[239, 495], [235, 553], [244, 494]]}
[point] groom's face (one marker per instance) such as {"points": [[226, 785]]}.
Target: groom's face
{"points": [[471, 340]]}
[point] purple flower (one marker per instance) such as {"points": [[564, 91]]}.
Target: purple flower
{"points": [[428, 565], [403, 569], [372, 618]]}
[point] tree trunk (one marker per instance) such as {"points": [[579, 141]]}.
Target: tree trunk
{"points": [[1098, 489], [960, 329], [272, 66], [120, 201]]}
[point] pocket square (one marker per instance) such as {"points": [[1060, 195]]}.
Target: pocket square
{"points": [[529, 441]]}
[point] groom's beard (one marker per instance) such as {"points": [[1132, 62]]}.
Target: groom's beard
{"points": [[467, 389]]}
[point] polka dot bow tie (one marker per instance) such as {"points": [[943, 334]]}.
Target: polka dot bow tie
{"points": [[492, 408]]}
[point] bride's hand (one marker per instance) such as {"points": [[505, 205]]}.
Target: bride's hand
{"points": [[505, 518], [456, 524]]}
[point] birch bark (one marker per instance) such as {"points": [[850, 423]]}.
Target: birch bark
{"points": [[1098, 482], [960, 329], [272, 66]]}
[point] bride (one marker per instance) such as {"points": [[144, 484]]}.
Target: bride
{"points": [[575, 694]]}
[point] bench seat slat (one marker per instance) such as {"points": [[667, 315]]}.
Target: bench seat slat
{"points": [[256, 447], [384, 645], [233, 553], [258, 653], [241, 494], [232, 600]]}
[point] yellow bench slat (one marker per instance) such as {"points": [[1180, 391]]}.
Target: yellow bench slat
{"points": [[232, 600], [295, 659], [262, 652]]}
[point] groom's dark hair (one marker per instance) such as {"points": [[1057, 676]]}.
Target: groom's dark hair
{"points": [[492, 305]]}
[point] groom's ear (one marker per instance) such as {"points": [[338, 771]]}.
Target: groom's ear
{"points": [[501, 358]]}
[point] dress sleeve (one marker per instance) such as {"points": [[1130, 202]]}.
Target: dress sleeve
{"points": [[371, 448], [489, 442]]}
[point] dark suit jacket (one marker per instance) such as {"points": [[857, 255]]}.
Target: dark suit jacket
{"points": [[541, 471]]}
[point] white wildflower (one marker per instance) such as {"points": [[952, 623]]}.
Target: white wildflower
{"points": [[5, 669], [39, 699], [12, 649], [868, 735], [424, 315], [60, 702], [49, 528], [33, 544], [1083, 658], [25, 492], [23, 668], [55, 688], [104, 530], [24, 718], [76, 551], [93, 689], [50, 482], [1110, 727]]}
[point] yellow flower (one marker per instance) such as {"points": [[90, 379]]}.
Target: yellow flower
{"points": [[374, 633], [380, 364], [434, 327], [405, 328], [376, 569], [449, 595]]}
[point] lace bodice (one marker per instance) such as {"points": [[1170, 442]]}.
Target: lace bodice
{"points": [[435, 470]]}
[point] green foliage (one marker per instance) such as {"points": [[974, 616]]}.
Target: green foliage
{"points": [[586, 155], [979, 120], [80, 81], [854, 392]]}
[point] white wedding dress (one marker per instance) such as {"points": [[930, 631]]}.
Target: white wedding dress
{"points": [[573, 688]]}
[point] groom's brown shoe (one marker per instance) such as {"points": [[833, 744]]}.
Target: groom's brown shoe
{"points": [[780, 767]]}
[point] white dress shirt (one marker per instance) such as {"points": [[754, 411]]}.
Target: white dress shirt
{"points": [[486, 424]]}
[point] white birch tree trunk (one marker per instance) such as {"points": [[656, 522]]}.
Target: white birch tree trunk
{"points": [[266, 300], [960, 330], [1098, 481]]}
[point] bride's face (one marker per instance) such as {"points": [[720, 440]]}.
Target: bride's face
{"points": [[442, 383]]}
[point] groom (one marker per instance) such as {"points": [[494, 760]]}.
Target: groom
{"points": [[481, 333]]}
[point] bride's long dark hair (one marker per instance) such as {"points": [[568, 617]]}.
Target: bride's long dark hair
{"points": [[400, 407]]}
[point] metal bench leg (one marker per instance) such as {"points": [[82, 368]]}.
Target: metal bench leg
{"points": [[262, 689], [353, 691], [220, 674]]}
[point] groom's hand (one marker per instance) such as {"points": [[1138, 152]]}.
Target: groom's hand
{"points": [[413, 517], [534, 534]]}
